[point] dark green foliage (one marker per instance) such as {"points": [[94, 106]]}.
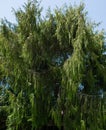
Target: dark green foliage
{"points": [[43, 62], [3, 117]]}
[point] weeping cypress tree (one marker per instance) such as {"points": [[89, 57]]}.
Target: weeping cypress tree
{"points": [[44, 61]]}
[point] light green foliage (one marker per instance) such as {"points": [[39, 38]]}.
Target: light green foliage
{"points": [[44, 60]]}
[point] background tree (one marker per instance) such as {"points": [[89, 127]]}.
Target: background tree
{"points": [[44, 61]]}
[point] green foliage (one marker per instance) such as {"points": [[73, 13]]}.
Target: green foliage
{"points": [[44, 60]]}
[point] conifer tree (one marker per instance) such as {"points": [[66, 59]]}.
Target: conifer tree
{"points": [[44, 62]]}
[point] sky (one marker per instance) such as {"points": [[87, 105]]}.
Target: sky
{"points": [[96, 9]]}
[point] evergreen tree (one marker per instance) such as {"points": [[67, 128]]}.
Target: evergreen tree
{"points": [[45, 61]]}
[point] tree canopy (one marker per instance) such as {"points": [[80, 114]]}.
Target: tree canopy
{"points": [[43, 64]]}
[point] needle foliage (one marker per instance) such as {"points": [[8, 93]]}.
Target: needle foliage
{"points": [[44, 62]]}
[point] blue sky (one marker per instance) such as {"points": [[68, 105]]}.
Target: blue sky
{"points": [[96, 8]]}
